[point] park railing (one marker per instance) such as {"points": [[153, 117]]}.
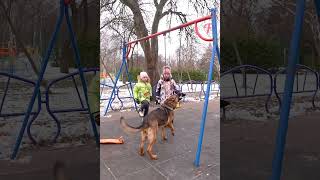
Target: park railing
{"points": [[248, 81], [8, 95]]}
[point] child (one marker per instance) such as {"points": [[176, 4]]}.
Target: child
{"points": [[142, 92], [166, 86]]}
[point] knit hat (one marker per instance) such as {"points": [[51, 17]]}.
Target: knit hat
{"points": [[143, 74]]}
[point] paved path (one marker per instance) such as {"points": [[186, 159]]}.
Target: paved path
{"points": [[175, 157], [247, 149]]}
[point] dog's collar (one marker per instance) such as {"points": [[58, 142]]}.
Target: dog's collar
{"points": [[167, 107]]}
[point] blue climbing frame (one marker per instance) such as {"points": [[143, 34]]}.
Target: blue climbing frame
{"points": [[285, 108], [64, 11]]}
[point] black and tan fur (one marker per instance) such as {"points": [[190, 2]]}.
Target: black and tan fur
{"points": [[161, 117]]}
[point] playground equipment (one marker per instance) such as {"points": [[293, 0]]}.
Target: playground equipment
{"points": [[306, 80], [127, 47], [247, 94], [287, 95], [7, 59], [299, 89], [34, 113], [64, 12]]}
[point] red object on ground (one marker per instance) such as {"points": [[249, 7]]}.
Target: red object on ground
{"points": [[7, 52], [112, 141]]}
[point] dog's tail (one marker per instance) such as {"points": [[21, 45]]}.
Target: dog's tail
{"points": [[126, 127]]}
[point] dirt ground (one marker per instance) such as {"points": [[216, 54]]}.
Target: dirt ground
{"points": [[247, 149]]}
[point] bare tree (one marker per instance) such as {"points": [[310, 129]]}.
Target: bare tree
{"points": [[141, 11], [6, 9], [310, 18]]}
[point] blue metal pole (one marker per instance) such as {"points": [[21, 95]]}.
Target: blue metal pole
{"points": [[218, 53], [83, 80], [285, 108], [129, 78], [5, 94], [124, 51], [205, 107], [37, 86]]}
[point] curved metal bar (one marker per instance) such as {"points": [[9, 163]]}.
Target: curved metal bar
{"points": [[75, 85], [199, 35], [11, 76], [298, 67], [52, 112], [258, 70], [4, 94], [34, 117]]}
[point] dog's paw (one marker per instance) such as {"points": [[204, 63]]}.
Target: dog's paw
{"points": [[172, 133], [164, 138], [141, 152], [154, 157]]}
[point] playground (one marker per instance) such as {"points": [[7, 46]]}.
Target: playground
{"points": [[196, 120]]}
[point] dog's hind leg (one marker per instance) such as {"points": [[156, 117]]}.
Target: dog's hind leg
{"points": [[143, 139], [152, 138], [163, 134]]}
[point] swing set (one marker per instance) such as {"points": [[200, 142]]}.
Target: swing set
{"points": [[63, 12], [128, 47]]}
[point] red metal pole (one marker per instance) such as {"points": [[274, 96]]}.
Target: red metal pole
{"points": [[172, 29]]}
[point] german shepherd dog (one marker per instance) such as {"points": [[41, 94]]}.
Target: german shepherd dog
{"points": [[161, 117]]}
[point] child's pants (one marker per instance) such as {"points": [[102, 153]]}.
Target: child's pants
{"points": [[144, 107]]}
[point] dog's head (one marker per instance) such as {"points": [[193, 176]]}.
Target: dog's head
{"points": [[179, 94], [172, 101]]}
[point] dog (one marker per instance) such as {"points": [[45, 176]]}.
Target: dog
{"points": [[161, 117]]}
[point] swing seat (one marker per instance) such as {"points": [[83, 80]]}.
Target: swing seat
{"points": [[112, 141]]}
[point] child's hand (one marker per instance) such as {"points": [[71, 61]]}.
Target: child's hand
{"points": [[147, 94], [158, 100]]}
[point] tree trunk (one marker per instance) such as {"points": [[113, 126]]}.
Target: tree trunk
{"points": [[86, 19], [235, 47], [64, 59], [150, 50]]}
